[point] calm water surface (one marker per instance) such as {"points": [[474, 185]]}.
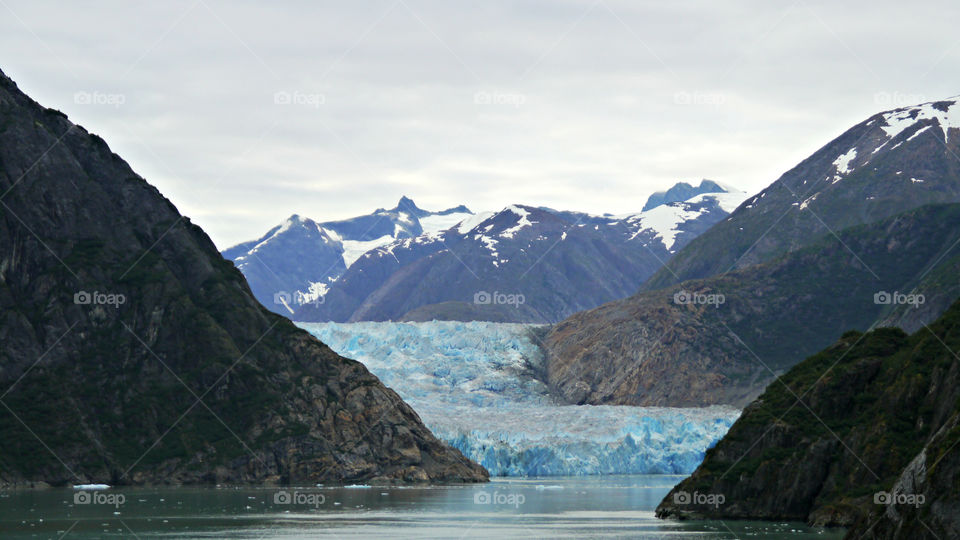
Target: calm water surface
{"points": [[582, 507]]}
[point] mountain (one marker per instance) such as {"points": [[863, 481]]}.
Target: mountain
{"points": [[681, 191], [291, 264], [887, 164], [791, 283], [522, 264], [863, 434], [133, 353], [727, 337], [295, 262]]}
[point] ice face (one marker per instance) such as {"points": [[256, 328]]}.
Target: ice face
{"points": [[471, 384], [539, 440]]}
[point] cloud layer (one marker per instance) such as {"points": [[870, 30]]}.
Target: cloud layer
{"points": [[243, 114]]}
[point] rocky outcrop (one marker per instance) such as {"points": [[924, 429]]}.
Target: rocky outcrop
{"points": [[132, 353], [861, 435], [932, 477]]}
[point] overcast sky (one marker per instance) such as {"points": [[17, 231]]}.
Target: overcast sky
{"points": [[243, 114]]}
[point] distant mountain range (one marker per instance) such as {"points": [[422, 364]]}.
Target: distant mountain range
{"points": [[521, 264], [825, 248]]}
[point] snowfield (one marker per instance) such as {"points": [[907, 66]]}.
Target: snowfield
{"points": [[471, 385]]}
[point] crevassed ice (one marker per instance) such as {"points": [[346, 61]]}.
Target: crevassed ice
{"points": [[471, 385]]}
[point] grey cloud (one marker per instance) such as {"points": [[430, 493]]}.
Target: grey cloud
{"points": [[589, 115]]}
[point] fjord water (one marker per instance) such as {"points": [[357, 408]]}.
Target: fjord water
{"points": [[581, 507], [559, 471]]}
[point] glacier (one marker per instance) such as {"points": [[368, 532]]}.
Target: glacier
{"points": [[473, 385]]}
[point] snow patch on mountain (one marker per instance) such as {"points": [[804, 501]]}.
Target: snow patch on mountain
{"points": [[842, 164], [946, 113], [287, 224], [490, 244], [439, 223], [469, 223], [663, 220], [806, 203], [524, 221], [919, 131], [315, 292], [728, 202], [354, 249]]}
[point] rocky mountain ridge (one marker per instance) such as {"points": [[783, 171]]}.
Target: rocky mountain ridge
{"points": [[522, 264]]}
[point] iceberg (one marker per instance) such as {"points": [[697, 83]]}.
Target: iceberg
{"points": [[472, 384]]}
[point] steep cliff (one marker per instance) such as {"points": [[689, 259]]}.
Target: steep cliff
{"points": [[133, 353], [862, 434]]}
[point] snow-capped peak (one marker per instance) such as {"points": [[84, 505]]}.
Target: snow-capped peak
{"points": [[522, 222], [946, 113], [665, 221]]}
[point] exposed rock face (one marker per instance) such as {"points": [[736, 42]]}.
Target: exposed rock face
{"points": [[934, 474], [651, 350], [871, 419], [132, 353]]}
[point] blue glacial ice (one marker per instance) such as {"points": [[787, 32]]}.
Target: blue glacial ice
{"points": [[471, 384]]}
